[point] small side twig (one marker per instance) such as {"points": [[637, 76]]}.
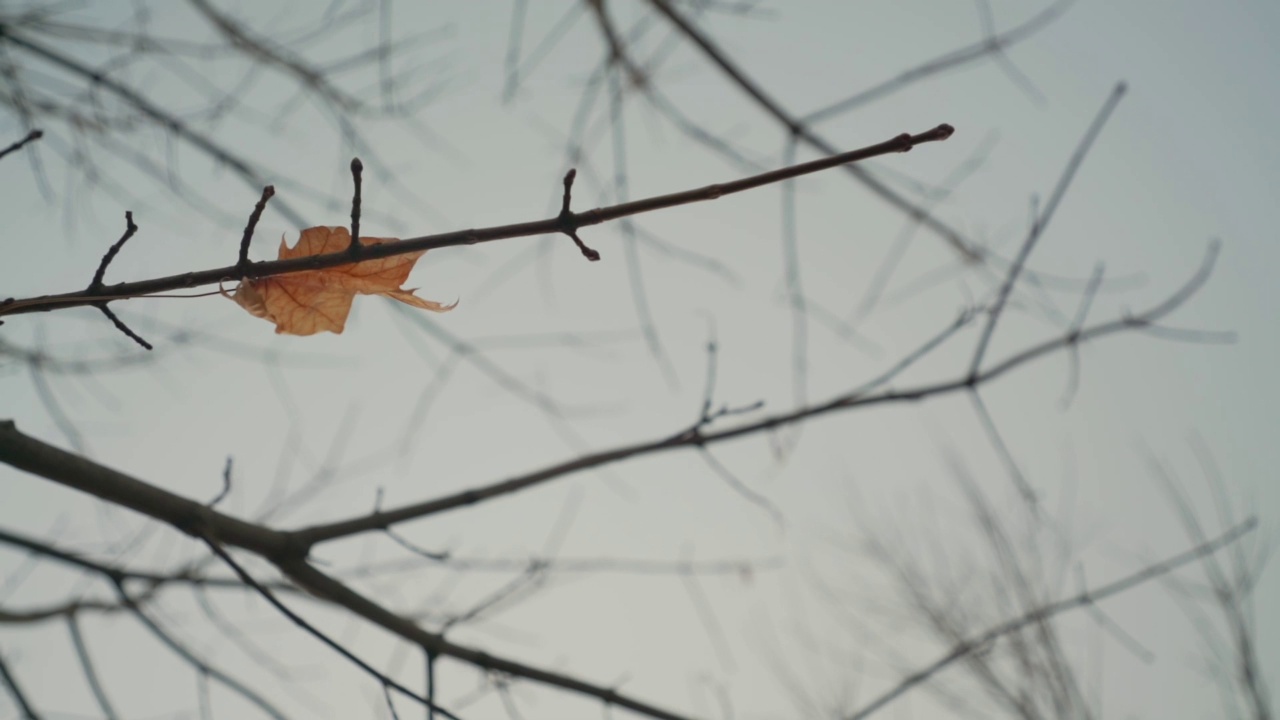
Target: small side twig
{"points": [[95, 286], [1028, 494], [86, 665], [315, 632], [708, 415], [967, 646], [242, 263], [15, 690], [1082, 313], [391, 705], [226, 485], [31, 137], [473, 236], [567, 224], [431, 685], [203, 669], [129, 333], [1041, 221], [129, 231], [357, 175]]}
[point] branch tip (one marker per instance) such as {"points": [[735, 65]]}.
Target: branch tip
{"points": [[587, 252], [567, 222], [242, 263], [129, 230], [30, 137], [357, 177], [569, 177], [568, 225]]}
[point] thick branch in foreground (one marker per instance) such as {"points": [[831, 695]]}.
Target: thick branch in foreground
{"points": [[571, 222], [281, 549]]}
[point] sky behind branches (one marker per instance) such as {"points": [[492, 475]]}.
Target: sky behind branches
{"points": [[1191, 154]]}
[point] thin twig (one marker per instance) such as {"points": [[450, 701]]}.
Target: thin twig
{"points": [[1025, 490], [315, 632], [992, 44], [86, 665], [119, 325], [1082, 314], [635, 275], [431, 684], [514, 35], [1042, 221], [226, 484], [203, 668], [357, 177], [969, 645], [31, 137], [901, 143], [132, 97], [129, 230], [96, 286], [15, 692], [566, 216], [797, 128], [254, 217], [858, 398]]}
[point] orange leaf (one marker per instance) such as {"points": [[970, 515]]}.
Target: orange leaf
{"points": [[312, 301]]}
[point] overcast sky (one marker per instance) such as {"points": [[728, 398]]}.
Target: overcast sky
{"points": [[1190, 155]]}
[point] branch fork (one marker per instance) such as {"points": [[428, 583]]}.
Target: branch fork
{"points": [[568, 221]]}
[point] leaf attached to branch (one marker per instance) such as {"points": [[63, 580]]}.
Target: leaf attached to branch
{"points": [[312, 301]]}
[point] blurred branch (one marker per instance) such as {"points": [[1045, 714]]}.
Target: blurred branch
{"points": [[1230, 591], [861, 397], [15, 692], [1039, 615], [1042, 220], [283, 549], [140, 102], [994, 44], [798, 129], [31, 137]]}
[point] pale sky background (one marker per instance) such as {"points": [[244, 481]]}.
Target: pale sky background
{"points": [[1190, 154]]}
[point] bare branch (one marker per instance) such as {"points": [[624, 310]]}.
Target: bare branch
{"points": [[240, 166], [15, 692], [1042, 220], [86, 665], [31, 137], [315, 632], [1039, 615], [558, 224], [992, 44], [281, 549], [798, 129], [860, 397]]}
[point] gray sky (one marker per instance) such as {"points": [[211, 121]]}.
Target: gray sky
{"points": [[1189, 155]]}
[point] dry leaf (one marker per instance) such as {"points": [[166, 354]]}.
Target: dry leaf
{"points": [[312, 301]]}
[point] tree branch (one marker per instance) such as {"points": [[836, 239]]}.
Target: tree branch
{"points": [[559, 224], [858, 398], [970, 645], [797, 128]]}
